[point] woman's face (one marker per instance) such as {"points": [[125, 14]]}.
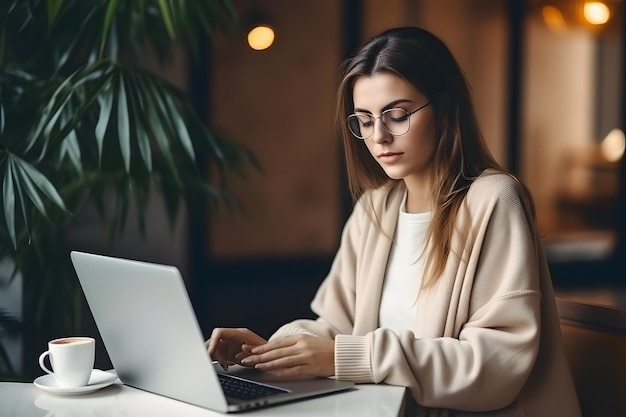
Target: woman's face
{"points": [[408, 156]]}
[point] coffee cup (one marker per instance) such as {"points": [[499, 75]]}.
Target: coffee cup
{"points": [[72, 360]]}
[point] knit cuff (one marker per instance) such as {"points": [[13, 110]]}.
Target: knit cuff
{"points": [[353, 358]]}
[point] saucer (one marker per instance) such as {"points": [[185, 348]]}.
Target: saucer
{"points": [[98, 380]]}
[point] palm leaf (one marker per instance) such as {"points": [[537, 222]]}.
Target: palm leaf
{"points": [[53, 10], [38, 184], [105, 101], [108, 22], [71, 149], [32, 189], [180, 128], [123, 123], [167, 18], [8, 198]]}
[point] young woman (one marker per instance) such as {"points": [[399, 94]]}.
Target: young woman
{"points": [[440, 283]]}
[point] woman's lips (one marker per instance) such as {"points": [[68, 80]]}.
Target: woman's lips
{"points": [[389, 157]]}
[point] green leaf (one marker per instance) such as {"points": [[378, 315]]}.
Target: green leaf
{"points": [[77, 88], [53, 10], [108, 21], [143, 141], [44, 121], [137, 101], [31, 191], [52, 112], [57, 106], [161, 129], [230, 9], [105, 99], [2, 120], [8, 198], [21, 197], [82, 36], [37, 178], [181, 128], [219, 156], [123, 124], [167, 18], [71, 148]]}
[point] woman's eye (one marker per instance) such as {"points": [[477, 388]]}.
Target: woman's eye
{"points": [[396, 120], [364, 121], [396, 115]]}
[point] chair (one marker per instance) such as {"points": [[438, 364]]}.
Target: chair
{"points": [[595, 346]]}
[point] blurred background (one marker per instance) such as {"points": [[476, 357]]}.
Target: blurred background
{"points": [[548, 84], [547, 79]]}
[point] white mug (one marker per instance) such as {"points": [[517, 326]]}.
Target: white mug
{"points": [[72, 360]]}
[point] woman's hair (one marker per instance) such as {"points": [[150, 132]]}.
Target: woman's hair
{"points": [[423, 60]]}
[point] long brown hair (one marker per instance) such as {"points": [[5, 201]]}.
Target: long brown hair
{"points": [[461, 154]]}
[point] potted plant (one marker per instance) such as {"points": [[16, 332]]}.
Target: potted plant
{"points": [[84, 123]]}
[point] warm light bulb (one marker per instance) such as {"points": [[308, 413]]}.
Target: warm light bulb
{"points": [[553, 18], [596, 12], [261, 37], [613, 145]]}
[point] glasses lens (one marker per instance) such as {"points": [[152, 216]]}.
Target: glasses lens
{"points": [[361, 125], [396, 121]]}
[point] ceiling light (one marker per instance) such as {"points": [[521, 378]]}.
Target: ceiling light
{"points": [[596, 12], [261, 37], [553, 17], [613, 145]]}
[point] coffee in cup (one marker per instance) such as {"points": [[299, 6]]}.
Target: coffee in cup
{"points": [[72, 360]]}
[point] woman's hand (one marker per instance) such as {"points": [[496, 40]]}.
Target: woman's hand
{"points": [[294, 356], [230, 346]]}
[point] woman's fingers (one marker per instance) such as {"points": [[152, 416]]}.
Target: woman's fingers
{"points": [[295, 356], [222, 354], [226, 344], [291, 356], [281, 362], [218, 348], [241, 335]]}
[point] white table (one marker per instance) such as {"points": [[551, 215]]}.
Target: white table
{"points": [[26, 400]]}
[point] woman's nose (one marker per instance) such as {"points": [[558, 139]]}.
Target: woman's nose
{"points": [[380, 135]]}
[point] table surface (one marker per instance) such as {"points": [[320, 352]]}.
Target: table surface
{"points": [[26, 400]]}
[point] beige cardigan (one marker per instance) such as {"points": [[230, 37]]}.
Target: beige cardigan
{"points": [[487, 335]]}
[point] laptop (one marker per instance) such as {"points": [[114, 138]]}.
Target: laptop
{"points": [[150, 331]]}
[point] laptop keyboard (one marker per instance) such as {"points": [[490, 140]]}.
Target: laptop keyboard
{"points": [[246, 390]]}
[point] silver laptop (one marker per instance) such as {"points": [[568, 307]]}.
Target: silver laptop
{"points": [[150, 331]]}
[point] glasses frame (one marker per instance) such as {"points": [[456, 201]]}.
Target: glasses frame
{"points": [[408, 115]]}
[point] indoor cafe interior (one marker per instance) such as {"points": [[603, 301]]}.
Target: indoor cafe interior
{"points": [[547, 78]]}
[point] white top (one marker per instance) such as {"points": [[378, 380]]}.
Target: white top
{"points": [[405, 267]]}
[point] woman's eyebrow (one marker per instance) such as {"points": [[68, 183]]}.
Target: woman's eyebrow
{"points": [[387, 107]]}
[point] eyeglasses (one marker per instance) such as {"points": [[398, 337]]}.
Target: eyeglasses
{"points": [[396, 121]]}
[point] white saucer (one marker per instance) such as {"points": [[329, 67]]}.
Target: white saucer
{"points": [[98, 380]]}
